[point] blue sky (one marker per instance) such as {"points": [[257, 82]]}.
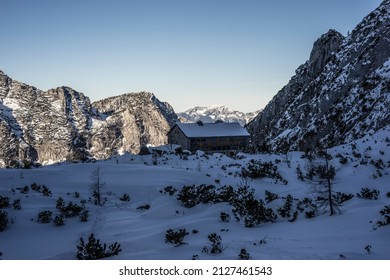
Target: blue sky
{"points": [[237, 53]]}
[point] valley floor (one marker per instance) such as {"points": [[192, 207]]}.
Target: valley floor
{"points": [[141, 233]]}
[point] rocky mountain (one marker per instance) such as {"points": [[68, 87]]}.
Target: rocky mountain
{"points": [[340, 94], [62, 124], [214, 113]]}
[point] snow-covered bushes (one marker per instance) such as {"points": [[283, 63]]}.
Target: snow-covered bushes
{"points": [[41, 189], [215, 246], [84, 215], [44, 217], [251, 211], [193, 195], [269, 196], [3, 220], [385, 212], [143, 207], [257, 169], [169, 190], [245, 207], [94, 250], [4, 202], [59, 221], [16, 204], [125, 197], [69, 210], [367, 193], [244, 255], [285, 210], [176, 237], [225, 217]]}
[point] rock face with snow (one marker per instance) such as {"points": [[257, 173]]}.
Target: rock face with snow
{"points": [[62, 124], [214, 113], [340, 94], [127, 122]]}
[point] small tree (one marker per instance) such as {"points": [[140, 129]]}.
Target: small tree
{"points": [[94, 250], [324, 193], [97, 184]]}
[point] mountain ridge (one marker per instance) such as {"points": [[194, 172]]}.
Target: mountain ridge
{"points": [[62, 124], [340, 94], [213, 113]]}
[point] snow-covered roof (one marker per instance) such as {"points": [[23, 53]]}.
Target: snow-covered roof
{"points": [[212, 129]]}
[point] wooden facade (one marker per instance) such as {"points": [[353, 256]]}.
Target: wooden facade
{"points": [[209, 137]]}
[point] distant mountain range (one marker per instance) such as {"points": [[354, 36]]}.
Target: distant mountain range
{"points": [[340, 94], [214, 113]]}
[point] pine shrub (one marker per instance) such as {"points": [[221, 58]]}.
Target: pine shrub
{"points": [[94, 250], [310, 214], [59, 221], [215, 244], [45, 191], [143, 207], [45, 217], [225, 217], [84, 215], [286, 209], [385, 212], [250, 210], [176, 237], [4, 202], [367, 193], [269, 196], [35, 187], [16, 204], [169, 190], [125, 197], [3, 220], [24, 190], [244, 255], [257, 169], [60, 204]]}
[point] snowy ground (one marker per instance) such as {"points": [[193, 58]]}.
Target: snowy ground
{"points": [[141, 234]]}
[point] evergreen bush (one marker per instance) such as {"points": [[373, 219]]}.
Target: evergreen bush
{"points": [[44, 217], [4, 202], [59, 221], [244, 255], [269, 196], [225, 217], [94, 250], [16, 204], [250, 210], [3, 220], [215, 246], [256, 169], [84, 215], [125, 197], [367, 193], [176, 237]]}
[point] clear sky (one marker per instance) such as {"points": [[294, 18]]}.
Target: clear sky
{"points": [[237, 53]]}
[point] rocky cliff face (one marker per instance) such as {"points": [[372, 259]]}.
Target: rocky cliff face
{"points": [[127, 122], [340, 94], [62, 124]]}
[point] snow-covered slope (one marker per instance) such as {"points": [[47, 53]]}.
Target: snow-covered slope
{"points": [[340, 94], [141, 233], [214, 113], [62, 124]]}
